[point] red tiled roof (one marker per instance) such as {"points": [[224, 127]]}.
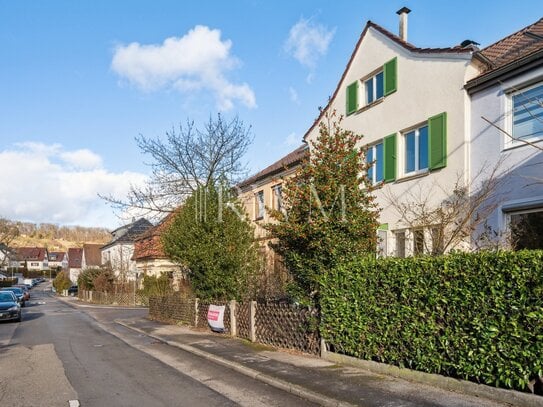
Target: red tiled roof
{"points": [[290, 160], [93, 256], [515, 46], [75, 255], [56, 256], [408, 46], [31, 253], [149, 245], [509, 50]]}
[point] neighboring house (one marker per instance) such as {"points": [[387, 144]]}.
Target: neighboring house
{"points": [[58, 259], [264, 190], [410, 105], [150, 257], [33, 258], [509, 94], [119, 251], [75, 257], [92, 256]]}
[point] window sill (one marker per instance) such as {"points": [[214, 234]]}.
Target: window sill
{"points": [[370, 105], [512, 145], [412, 176], [259, 218]]}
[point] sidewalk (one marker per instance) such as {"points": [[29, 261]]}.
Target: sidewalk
{"points": [[310, 377]]}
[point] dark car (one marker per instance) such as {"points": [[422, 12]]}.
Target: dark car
{"points": [[25, 289], [9, 307], [18, 293], [72, 290]]}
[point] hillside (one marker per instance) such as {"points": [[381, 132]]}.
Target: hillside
{"points": [[51, 244]]}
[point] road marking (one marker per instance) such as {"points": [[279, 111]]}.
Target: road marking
{"points": [[74, 403]]}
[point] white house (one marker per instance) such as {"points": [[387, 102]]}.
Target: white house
{"points": [[33, 258], [58, 259], [118, 253], [75, 256], [507, 127], [411, 107]]}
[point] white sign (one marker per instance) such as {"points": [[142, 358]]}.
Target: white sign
{"points": [[215, 317]]}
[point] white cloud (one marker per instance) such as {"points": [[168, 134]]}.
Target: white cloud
{"points": [[308, 41], [294, 95], [198, 61], [43, 183], [292, 140]]}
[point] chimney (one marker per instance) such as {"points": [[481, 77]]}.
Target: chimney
{"points": [[403, 12]]}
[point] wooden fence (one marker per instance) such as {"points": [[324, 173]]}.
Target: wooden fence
{"points": [[279, 325]]}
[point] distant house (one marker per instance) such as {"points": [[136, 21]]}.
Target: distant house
{"points": [[33, 258], [75, 256], [58, 259], [119, 251], [92, 256], [150, 257], [265, 190]]}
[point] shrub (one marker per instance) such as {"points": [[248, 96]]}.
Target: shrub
{"points": [[156, 286], [62, 281], [477, 316]]}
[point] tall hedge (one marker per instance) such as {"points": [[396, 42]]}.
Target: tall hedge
{"points": [[476, 316]]}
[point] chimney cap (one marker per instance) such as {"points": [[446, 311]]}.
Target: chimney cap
{"points": [[403, 10]]}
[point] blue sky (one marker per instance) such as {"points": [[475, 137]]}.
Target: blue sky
{"points": [[80, 79]]}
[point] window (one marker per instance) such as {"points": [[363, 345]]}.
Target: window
{"points": [[418, 242], [278, 197], [382, 242], [416, 150], [377, 86], [374, 88], [400, 244], [375, 157], [34, 264], [528, 112], [259, 205], [527, 229]]}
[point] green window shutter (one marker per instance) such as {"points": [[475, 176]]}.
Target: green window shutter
{"points": [[389, 154], [352, 97], [390, 70], [437, 141]]}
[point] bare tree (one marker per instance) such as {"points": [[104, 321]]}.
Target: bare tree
{"points": [[8, 231], [452, 222], [188, 159]]}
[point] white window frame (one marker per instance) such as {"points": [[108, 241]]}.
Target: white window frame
{"points": [[259, 205], [373, 149], [509, 117], [278, 197], [403, 149], [373, 79]]}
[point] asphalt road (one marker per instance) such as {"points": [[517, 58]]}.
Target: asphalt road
{"points": [[61, 353]]}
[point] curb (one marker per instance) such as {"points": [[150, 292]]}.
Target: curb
{"points": [[512, 397], [247, 371]]}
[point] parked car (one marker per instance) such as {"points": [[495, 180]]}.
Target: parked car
{"points": [[25, 289], [9, 307], [18, 293], [72, 290]]}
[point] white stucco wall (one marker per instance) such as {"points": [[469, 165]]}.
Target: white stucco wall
{"points": [[120, 257], [427, 84], [521, 166]]}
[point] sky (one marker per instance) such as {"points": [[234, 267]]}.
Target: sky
{"points": [[79, 80]]}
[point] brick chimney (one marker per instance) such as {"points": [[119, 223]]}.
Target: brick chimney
{"points": [[403, 12]]}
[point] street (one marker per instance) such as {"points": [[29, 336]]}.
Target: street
{"points": [[60, 353]]}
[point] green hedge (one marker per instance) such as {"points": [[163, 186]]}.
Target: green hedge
{"points": [[476, 316]]}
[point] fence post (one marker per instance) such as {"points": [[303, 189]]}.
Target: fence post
{"points": [[196, 312], [324, 351], [90, 296], [252, 321], [233, 322]]}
